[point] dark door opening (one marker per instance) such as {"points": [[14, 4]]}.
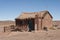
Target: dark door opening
{"points": [[31, 25]]}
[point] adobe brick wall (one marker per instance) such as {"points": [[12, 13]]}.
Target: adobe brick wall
{"points": [[39, 24], [47, 21]]}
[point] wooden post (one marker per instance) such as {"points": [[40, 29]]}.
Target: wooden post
{"points": [[36, 22], [4, 29]]}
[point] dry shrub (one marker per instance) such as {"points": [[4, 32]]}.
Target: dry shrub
{"points": [[52, 28]]}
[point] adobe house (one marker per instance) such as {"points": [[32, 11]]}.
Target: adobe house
{"points": [[34, 21]]}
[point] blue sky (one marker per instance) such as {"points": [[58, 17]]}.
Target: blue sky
{"points": [[10, 9]]}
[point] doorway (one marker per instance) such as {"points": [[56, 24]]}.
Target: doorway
{"points": [[31, 25]]}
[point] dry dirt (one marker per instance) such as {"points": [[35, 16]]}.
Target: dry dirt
{"points": [[38, 35]]}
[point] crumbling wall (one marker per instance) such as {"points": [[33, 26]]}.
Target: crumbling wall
{"points": [[7, 29], [1, 29]]}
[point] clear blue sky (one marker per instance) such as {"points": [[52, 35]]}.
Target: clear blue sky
{"points": [[10, 9]]}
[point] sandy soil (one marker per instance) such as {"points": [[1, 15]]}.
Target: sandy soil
{"points": [[38, 35]]}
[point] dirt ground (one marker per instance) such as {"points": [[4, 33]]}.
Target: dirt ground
{"points": [[37, 35]]}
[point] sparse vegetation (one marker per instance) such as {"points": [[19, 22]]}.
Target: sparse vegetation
{"points": [[52, 28]]}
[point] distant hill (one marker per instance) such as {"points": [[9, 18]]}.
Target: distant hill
{"points": [[7, 23], [56, 23]]}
